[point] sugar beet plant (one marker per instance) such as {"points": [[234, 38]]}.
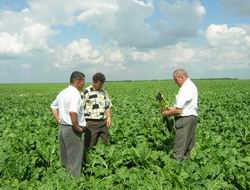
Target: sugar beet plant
{"points": [[138, 156]]}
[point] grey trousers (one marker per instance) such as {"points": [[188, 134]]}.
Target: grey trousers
{"points": [[184, 136], [71, 149]]}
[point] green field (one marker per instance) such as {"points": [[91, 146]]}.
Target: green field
{"points": [[138, 156]]}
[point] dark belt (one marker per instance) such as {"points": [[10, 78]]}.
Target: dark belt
{"points": [[66, 125]]}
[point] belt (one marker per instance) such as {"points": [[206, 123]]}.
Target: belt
{"points": [[66, 125]]}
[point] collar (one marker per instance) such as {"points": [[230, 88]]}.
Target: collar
{"points": [[91, 87], [186, 82], [72, 87]]}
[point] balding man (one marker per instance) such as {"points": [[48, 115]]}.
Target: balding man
{"points": [[68, 110], [185, 112]]}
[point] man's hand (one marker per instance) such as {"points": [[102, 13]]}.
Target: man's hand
{"points": [[108, 113], [171, 111], [165, 112], [74, 120], [109, 122], [79, 130]]}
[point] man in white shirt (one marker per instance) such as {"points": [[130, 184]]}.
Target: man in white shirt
{"points": [[68, 110], [185, 112]]}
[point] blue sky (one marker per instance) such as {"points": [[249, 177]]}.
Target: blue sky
{"points": [[126, 40]]}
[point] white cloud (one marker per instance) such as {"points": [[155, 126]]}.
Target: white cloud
{"points": [[82, 53], [183, 11], [20, 34], [132, 44], [245, 27], [181, 19], [121, 21], [229, 47], [11, 44], [124, 22], [52, 12], [66, 12], [78, 52], [242, 7], [144, 56], [181, 54], [115, 56], [143, 3], [26, 66], [36, 35], [227, 50], [222, 35], [94, 10], [12, 22]]}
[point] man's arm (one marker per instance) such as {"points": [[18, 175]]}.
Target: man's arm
{"points": [[108, 110], [172, 111], [74, 120], [56, 114], [55, 109], [109, 115]]}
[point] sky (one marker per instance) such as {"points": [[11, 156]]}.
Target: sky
{"points": [[45, 41]]}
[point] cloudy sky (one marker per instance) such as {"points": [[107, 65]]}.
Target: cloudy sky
{"points": [[44, 41]]}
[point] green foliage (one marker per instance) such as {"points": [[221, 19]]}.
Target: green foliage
{"points": [[138, 156], [163, 103]]}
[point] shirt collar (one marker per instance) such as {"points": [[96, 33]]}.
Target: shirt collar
{"points": [[72, 87], [185, 83], [101, 90]]}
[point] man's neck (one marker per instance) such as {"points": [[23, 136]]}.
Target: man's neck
{"points": [[95, 88], [74, 86], [185, 80]]}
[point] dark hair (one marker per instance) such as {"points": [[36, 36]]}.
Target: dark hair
{"points": [[76, 75], [99, 77]]}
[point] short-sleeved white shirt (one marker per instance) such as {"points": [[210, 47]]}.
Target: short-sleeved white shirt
{"points": [[69, 100], [187, 99]]}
